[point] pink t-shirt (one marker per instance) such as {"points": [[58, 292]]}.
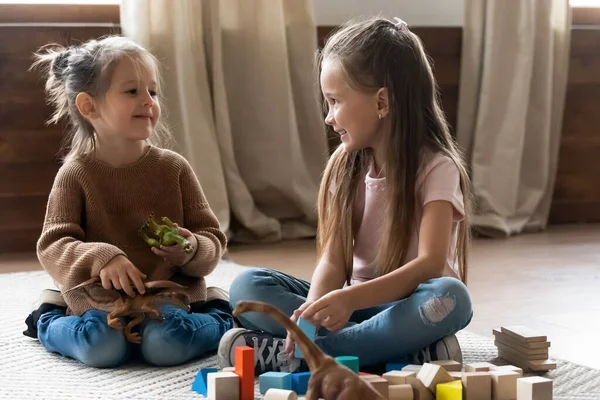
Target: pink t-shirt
{"points": [[438, 180]]}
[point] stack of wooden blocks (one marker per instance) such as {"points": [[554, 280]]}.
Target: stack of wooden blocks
{"points": [[524, 348], [446, 380]]}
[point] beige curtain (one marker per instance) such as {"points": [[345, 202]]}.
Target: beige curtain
{"points": [[239, 88], [514, 68]]}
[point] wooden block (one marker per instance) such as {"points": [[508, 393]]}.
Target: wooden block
{"points": [[523, 333], [431, 375], [456, 374], [228, 369], [400, 392], [534, 388], [545, 365], [529, 365], [412, 367], [398, 377], [479, 367], [244, 368], [223, 386], [280, 394], [507, 368], [349, 361], [390, 366], [274, 380], [504, 385], [525, 355], [309, 330], [449, 365], [449, 391], [504, 338], [521, 349], [200, 384], [420, 391], [300, 382], [477, 386], [379, 384]]}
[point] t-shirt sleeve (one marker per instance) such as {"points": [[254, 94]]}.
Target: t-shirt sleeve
{"points": [[441, 181]]}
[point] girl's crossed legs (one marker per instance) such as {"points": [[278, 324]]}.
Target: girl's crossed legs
{"points": [[179, 338], [416, 329]]}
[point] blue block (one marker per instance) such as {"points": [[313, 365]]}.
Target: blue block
{"points": [[348, 361], [309, 330], [274, 380], [200, 384], [300, 382], [395, 365]]}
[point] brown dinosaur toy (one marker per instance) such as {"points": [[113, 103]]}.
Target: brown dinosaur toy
{"points": [[329, 380], [141, 305]]}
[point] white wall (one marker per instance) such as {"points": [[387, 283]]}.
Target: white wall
{"points": [[414, 12]]}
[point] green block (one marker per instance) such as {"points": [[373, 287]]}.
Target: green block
{"points": [[348, 361]]}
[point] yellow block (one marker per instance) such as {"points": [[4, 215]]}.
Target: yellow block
{"points": [[449, 391]]}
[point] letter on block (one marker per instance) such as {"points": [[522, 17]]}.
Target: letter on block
{"points": [[244, 368], [275, 380], [223, 386], [309, 330], [200, 384], [449, 391]]}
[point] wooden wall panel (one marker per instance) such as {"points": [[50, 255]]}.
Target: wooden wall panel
{"points": [[576, 197], [28, 147]]}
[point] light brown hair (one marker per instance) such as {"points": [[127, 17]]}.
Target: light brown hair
{"points": [[374, 54], [88, 68]]}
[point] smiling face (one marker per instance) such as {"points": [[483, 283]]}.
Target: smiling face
{"points": [[352, 113], [129, 109]]}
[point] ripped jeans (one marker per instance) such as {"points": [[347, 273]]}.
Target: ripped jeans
{"points": [[376, 335]]}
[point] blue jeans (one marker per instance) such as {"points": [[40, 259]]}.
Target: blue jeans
{"points": [[180, 337], [376, 335]]}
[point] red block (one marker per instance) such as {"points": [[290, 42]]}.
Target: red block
{"points": [[244, 368], [363, 373]]}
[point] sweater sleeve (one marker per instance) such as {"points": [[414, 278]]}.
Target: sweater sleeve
{"points": [[202, 222], [61, 248]]}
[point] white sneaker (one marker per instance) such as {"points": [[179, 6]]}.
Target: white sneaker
{"points": [[216, 293], [446, 348], [269, 352]]}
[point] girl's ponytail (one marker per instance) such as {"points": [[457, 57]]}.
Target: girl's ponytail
{"points": [[53, 61]]}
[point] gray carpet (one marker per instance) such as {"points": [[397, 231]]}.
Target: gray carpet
{"points": [[27, 371]]}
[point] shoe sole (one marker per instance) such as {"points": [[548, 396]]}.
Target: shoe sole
{"points": [[453, 348], [227, 345]]}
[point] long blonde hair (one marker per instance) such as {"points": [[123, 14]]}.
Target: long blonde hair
{"points": [[88, 68], [375, 53]]}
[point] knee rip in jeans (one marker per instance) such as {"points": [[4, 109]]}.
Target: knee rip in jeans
{"points": [[437, 308]]}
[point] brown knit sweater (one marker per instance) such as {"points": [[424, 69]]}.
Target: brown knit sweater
{"points": [[94, 212]]}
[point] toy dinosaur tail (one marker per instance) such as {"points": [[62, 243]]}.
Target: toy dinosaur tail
{"points": [[312, 354]]}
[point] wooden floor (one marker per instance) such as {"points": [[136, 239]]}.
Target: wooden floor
{"points": [[548, 281]]}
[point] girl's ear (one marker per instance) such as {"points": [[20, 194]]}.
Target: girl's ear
{"points": [[383, 103], [86, 106]]}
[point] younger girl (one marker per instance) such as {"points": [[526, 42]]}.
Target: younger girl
{"points": [[112, 179], [392, 237]]}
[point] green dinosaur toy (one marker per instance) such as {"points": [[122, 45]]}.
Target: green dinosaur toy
{"points": [[163, 234]]}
